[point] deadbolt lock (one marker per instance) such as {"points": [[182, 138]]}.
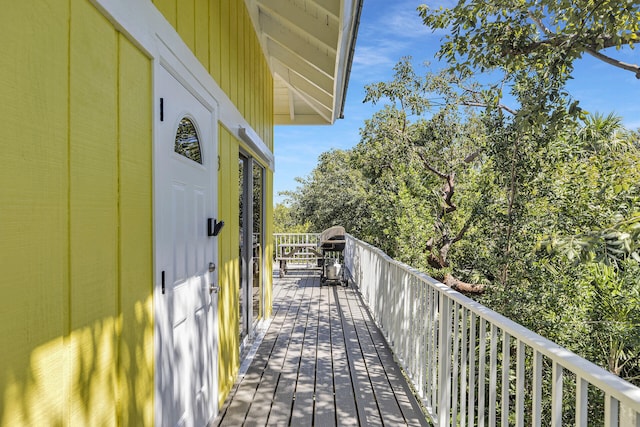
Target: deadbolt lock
{"points": [[212, 267]]}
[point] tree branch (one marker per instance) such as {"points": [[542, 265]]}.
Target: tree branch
{"points": [[471, 157], [463, 231], [432, 169], [611, 61], [484, 105], [449, 190], [459, 285]]}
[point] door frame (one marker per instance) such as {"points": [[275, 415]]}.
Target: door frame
{"points": [[245, 310], [253, 324], [166, 61]]}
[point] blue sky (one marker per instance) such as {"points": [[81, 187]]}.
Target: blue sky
{"points": [[390, 30]]}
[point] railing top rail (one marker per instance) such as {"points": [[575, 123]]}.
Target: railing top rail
{"points": [[622, 390]]}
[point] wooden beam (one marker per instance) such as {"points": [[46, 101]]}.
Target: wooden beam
{"points": [[291, 61], [330, 6], [302, 84], [323, 28], [322, 59]]}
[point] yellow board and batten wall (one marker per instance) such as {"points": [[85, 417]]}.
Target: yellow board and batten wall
{"points": [[76, 204], [75, 221]]}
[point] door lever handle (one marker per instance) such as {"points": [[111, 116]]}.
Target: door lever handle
{"points": [[213, 288]]}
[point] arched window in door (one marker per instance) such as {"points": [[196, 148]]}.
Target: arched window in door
{"points": [[187, 141]]}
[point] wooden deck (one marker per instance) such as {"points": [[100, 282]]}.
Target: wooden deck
{"points": [[322, 362]]}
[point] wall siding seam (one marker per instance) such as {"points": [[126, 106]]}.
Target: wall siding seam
{"points": [[119, 315], [67, 309]]}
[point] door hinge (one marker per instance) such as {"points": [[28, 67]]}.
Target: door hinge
{"points": [[162, 109], [219, 162], [163, 283]]}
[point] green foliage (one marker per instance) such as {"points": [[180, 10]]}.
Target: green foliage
{"points": [[615, 316], [332, 195], [285, 222], [544, 213], [534, 44]]}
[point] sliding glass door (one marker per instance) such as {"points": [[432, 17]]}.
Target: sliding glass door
{"points": [[251, 182]]}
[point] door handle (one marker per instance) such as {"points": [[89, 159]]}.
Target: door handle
{"points": [[214, 288]]}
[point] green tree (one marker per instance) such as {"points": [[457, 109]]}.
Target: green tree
{"points": [[333, 194], [536, 35], [595, 218], [285, 222], [424, 165], [522, 39]]}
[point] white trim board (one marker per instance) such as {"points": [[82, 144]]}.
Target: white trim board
{"points": [[145, 26]]}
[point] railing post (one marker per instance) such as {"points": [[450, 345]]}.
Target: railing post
{"points": [[610, 411], [493, 375], [629, 417], [520, 382], [472, 370], [444, 361], [556, 395], [464, 360], [506, 374], [455, 375], [482, 371], [536, 397], [581, 402]]}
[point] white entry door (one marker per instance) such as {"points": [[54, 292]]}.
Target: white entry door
{"points": [[186, 278]]}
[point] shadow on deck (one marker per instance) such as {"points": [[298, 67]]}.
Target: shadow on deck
{"points": [[322, 362]]}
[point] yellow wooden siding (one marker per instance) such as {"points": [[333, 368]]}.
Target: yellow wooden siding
{"points": [[229, 274], [76, 316], [215, 39], [76, 217], [33, 212], [136, 350], [221, 35], [93, 216], [185, 18], [225, 46], [169, 9], [202, 32], [235, 51]]}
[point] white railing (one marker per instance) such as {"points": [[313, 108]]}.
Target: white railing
{"points": [[296, 248], [473, 367]]}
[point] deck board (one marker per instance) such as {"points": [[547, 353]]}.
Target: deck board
{"points": [[324, 410], [322, 362]]}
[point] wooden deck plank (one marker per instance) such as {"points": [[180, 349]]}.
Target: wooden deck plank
{"points": [[304, 395], [322, 362], [286, 389], [248, 385], [389, 409], [407, 403], [324, 409], [346, 409], [368, 414], [261, 405]]}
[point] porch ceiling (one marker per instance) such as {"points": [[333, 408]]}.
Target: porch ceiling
{"points": [[309, 47]]}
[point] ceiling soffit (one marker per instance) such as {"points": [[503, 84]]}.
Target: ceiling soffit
{"points": [[309, 47]]}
